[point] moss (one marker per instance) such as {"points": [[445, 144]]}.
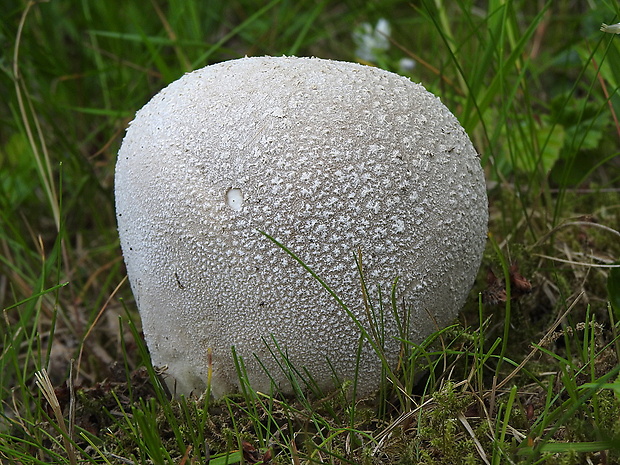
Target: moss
{"points": [[440, 437]]}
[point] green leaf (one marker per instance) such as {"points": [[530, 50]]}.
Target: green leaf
{"points": [[224, 459], [542, 152]]}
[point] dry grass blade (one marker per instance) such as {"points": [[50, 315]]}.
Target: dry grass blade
{"points": [[294, 453], [572, 262], [173, 37], [186, 455], [402, 419], [44, 165], [105, 305], [45, 385], [589, 224], [477, 444], [546, 337]]}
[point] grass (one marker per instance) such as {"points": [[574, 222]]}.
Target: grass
{"points": [[520, 378]]}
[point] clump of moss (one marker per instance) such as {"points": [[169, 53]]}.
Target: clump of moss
{"points": [[439, 437]]}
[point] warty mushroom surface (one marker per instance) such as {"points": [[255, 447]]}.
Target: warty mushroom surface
{"points": [[334, 160]]}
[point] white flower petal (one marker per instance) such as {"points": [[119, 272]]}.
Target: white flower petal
{"points": [[611, 29]]}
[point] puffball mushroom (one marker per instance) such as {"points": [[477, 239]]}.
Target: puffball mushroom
{"points": [[335, 161]]}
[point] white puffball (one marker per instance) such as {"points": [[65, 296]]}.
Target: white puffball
{"points": [[330, 158]]}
